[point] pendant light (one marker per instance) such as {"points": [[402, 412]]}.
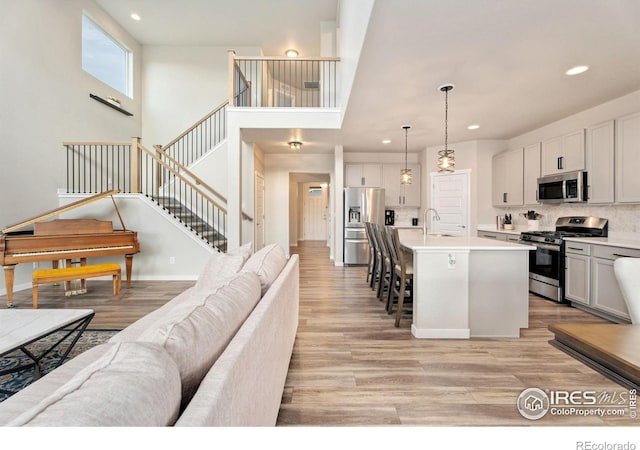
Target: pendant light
{"points": [[446, 157], [405, 174]]}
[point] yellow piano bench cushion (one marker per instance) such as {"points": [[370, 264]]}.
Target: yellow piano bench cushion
{"points": [[45, 276]]}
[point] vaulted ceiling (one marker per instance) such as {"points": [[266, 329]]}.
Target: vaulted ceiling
{"points": [[506, 58]]}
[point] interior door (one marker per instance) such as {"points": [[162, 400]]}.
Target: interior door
{"points": [[450, 197], [259, 212], [314, 212]]}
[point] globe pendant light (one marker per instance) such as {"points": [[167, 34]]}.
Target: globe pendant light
{"points": [[446, 157], [405, 174]]}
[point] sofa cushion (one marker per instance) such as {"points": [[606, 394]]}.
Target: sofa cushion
{"points": [[267, 263], [196, 333], [245, 251], [131, 384], [218, 267]]}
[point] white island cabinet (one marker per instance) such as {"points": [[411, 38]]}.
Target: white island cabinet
{"points": [[467, 286]]}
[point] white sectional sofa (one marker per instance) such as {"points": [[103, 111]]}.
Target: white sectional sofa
{"points": [[215, 355]]}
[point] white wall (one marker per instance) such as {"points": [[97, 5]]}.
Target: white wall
{"points": [[44, 95], [181, 84], [353, 23], [277, 186]]}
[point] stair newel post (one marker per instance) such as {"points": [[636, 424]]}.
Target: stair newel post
{"points": [[135, 165], [158, 178], [232, 68]]}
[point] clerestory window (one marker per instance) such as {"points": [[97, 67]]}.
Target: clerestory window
{"points": [[105, 58]]}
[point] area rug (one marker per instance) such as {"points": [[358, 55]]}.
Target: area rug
{"points": [[15, 381]]}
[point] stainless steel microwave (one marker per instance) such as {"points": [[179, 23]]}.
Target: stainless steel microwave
{"points": [[565, 187]]}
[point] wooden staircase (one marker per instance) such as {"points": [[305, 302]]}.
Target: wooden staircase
{"points": [[193, 222]]}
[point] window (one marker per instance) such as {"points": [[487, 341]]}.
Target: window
{"points": [[105, 58]]}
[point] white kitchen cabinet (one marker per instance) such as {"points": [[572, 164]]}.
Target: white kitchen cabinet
{"points": [[600, 162], [590, 282], [577, 272], [363, 175], [399, 195], [607, 296], [563, 153], [531, 173], [627, 157], [507, 178], [493, 235]]}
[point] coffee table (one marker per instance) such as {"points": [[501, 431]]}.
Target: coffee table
{"points": [[21, 327]]}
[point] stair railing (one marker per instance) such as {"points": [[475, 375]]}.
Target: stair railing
{"points": [[199, 138], [132, 168]]}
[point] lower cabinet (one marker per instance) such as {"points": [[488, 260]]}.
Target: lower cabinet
{"points": [[590, 282], [577, 273], [493, 235]]}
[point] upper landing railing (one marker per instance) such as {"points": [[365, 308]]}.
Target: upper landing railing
{"points": [[274, 82]]}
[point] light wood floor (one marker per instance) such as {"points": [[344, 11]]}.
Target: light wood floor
{"points": [[351, 366]]}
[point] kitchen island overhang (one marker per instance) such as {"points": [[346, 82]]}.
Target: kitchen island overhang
{"points": [[468, 287]]}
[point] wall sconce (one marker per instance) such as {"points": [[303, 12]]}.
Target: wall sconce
{"points": [[295, 145]]}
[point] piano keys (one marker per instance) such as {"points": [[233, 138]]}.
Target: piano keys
{"points": [[65, 239]]}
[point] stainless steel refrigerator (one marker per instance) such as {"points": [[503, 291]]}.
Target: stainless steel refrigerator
{"points": [[360, 205]]}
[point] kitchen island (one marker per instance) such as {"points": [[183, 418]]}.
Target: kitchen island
{"points": [[467, 286]]}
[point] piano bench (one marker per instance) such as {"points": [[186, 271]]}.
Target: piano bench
{"points": [[46, 276]]}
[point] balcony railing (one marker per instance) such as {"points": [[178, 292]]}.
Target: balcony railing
{"points": [[268, 82]]}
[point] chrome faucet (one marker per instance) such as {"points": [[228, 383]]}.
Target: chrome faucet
{"points": [[436, 216]]}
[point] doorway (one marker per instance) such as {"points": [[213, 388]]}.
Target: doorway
{"points": [[450, 197], [309, 208], [259, 211]]}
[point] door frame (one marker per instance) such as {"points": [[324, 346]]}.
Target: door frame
{"points": [[467, 173]]}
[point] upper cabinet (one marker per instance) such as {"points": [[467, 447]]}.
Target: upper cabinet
{"points": [[600, 157], [396, 194], [564, 153], [507, 178], [531, 173], [363, 175], [627, 157]]}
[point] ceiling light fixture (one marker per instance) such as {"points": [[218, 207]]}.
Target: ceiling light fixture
{"points": [[446, 157], [405, 174], [577, 70], [291, 53], [295, 145], [473, 127], [136, 17]]}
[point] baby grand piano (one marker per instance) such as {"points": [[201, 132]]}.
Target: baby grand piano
{"points": [[64, 239]]}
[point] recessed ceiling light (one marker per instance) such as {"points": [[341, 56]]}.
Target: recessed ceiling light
{"points": [[576, 70], [291, 53], [386, 141], [136, 16], [473, 127]]}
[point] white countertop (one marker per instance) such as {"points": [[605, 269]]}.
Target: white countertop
{"points": [[416, 241], [613, 241], [518, 230]]}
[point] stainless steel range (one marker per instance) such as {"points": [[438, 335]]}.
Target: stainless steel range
{"points": [[547, 262]]}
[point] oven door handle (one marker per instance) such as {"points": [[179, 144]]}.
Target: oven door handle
{"points": [[553, 248]]}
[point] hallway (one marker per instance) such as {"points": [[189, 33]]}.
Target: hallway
{"points": [[351, 366]]}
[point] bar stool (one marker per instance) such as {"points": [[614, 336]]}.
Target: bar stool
{"points": [[372, 254], [385, 262], [395, 262], [405, 271]]}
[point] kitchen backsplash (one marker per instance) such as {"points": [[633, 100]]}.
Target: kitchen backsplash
{"points": [[404, 215], [622, 218]]}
